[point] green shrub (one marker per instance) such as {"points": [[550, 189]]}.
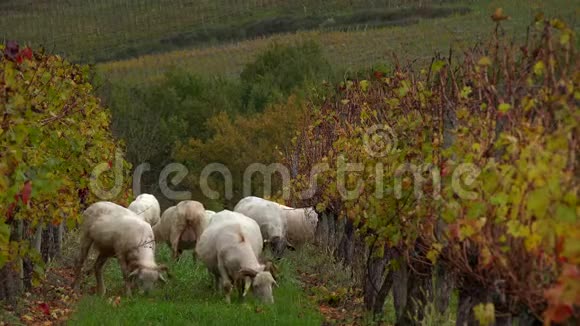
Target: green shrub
{"points": [[54, 133], [153, 119], [280, 71]]}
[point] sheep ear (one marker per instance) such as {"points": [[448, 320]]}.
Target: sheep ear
{"points": [[272, 268], [163, 268], [248, 272], [162, 279]]}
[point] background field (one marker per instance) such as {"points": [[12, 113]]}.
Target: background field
{"points": [[358, 48], [219, 37], [108, 29]]}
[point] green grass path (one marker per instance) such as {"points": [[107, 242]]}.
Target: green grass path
{"points": [[187, 299]]}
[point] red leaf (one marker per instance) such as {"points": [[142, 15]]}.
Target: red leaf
{"points": [[44, 308], [559, 245], [26, 53], [110, 164], [562, 259], [559, 249], [378, 74], [559, 313], [10, 212], [26, 192]]}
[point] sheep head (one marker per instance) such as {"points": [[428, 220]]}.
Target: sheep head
{"points": [[279, 245], [146, 277], [260, 282]]}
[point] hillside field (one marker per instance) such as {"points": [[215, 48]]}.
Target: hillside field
{"points": [[138, 43], [355, 49], [110, 29]]}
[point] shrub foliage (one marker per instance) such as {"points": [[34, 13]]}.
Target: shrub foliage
{"points": [[198, 121], [510, 116], [53, 133]]}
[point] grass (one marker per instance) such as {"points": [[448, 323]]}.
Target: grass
{"points": [[354, 49], [188, 300]]}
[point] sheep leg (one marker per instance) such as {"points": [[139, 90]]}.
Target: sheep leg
{"points": [[125, 270], [240, 286], [175, 245], [99, 264], [85, 247], [228, 290], [226, 283], [216, 282]]}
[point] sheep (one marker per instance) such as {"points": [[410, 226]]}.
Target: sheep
{"points": [[117, 231], [269, 217], [146, 206], [181, 226], [301, 223], [230, 248]]}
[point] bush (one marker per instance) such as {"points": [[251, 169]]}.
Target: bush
{"points": [[510, 113], [280, 71], [152, 119], [239, 142], [54, 132]]}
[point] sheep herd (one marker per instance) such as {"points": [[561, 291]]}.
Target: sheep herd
{"points": [[229, 243]]}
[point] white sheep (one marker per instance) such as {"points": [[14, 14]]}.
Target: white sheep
{"points": [[230, 247], [116, 231], [301, 223], [269, 217], [146, 206], [181, 226]]}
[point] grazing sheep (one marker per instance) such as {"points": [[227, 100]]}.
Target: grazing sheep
{"points": [[301, 223], [181, 226], [230, 248], [116, 231], [146, 206], [269, 217]]}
